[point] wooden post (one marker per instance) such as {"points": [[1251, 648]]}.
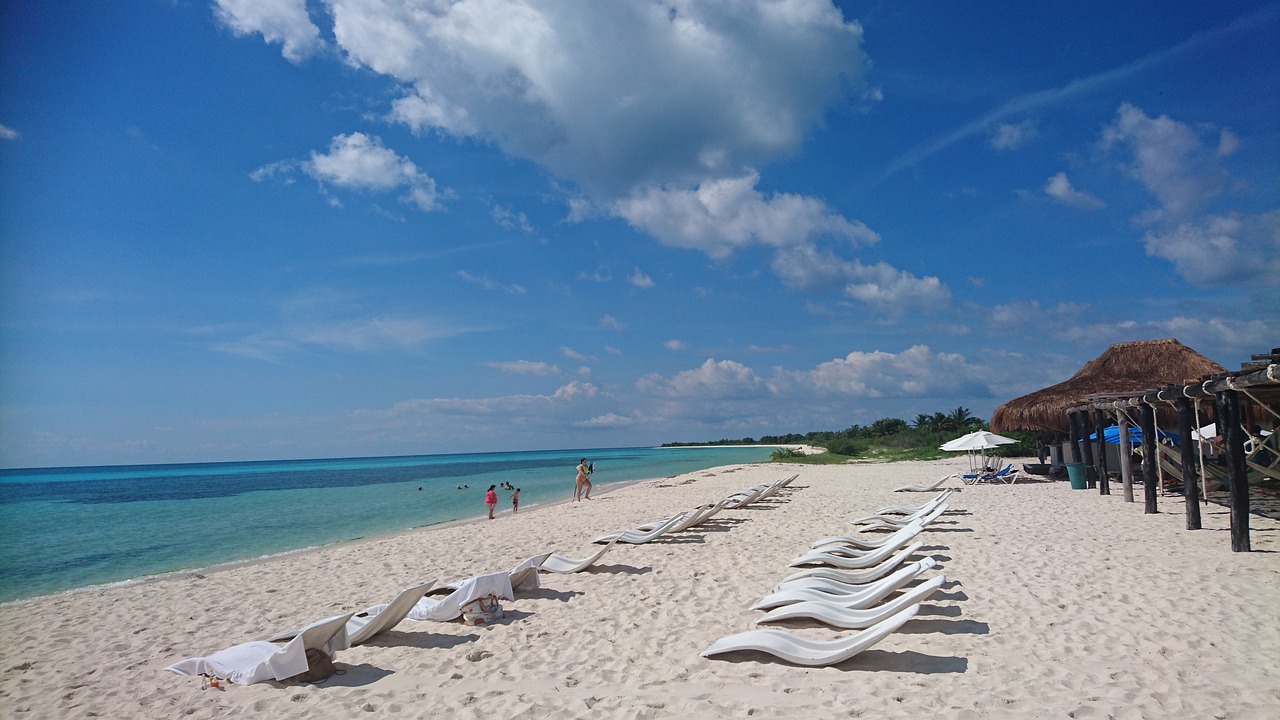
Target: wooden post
{"points": [[1233, 441], [1104, 483], [1074, 423], [1150, 463], [1126, 467], [1190, 483], [1090, 472]]}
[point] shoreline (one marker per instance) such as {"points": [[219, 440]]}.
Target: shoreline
{"points": [[206, 570], [1145, 619]]}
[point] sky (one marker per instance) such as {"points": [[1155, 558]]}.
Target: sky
{"points": [[271, 229]]}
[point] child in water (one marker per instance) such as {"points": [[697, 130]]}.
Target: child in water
{"points": [[515, 501]]}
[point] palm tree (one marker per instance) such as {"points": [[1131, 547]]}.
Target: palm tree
{"points": [[923, 422]]}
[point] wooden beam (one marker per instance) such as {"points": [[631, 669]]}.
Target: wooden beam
{"points": [[1073, 420], [1090, 472], [1104, 483], [1150, 463], [1236, 471], [1190, 484], [1125, 455]]}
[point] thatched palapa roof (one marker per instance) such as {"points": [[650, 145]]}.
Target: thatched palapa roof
{"points": [[1123, 368]]}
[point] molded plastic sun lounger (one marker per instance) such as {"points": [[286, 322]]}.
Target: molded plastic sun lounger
{"points": [[860, 577], [450, 607], [836, 586], [637, 537], [524, 576], [556, 563], [837, 615], [261, 660], [892, 524], [840, 593], [363, 626], [846, 562], [801, 650], [914, 509], [928, 508], [850, 596], [868, 542], [924, 488]]}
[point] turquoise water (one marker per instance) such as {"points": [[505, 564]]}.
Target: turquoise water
{"points": [[63, 528]]}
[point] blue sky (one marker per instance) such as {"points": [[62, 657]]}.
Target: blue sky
{"points": [[257, 229]]}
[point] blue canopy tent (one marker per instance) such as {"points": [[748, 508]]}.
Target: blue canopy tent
{"points": [[1111, 435]]}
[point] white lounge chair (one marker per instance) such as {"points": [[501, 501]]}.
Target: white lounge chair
{"points": [[928, 509], [363, 626], [913, 509], [868, 542], [800, 650], [862, 576], [837, 586], [524, 576], [261, 660], [924, 488], [848, 562], [561, 564], [450, 607], [847, 618], [850, 596], [638, 537]]}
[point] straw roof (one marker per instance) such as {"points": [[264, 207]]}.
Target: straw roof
{"points": [[1123, 368]]}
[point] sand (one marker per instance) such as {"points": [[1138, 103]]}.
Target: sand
{"points": [[1059, 603]]}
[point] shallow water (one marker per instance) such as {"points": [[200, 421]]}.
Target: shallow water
{"points": [[63, 528]]}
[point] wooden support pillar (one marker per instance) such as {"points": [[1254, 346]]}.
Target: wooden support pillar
{"points": [[1073, 420], [1150, 463], [1126, 467], [1104, 483], [1190, 483], [1091, 472], [1233, 441]]}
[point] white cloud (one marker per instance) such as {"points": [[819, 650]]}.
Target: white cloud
{"points": [[675, 345], [1221, 250], [607, 420], [1228, 143], [8, 133], [721, 380], [1168, 158], [510, 219], [512, 408], [914, 372], [489, 284], [719, 216], [616, 94], [524, 367], [1011, 136], [572, 354], [613, 323], [640, 280], [361, 162], [1059, 188], [896, 290], [282, 21]]}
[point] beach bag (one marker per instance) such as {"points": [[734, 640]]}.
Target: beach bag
{"points": [[482, 611], [319, 667]]}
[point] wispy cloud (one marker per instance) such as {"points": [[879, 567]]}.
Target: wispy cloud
{"points": [[1059, 188], [489, 284], [8, 133], [524, 367], [1081, 86]]}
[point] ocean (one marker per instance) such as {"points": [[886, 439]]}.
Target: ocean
{"points": [[65, 528]]}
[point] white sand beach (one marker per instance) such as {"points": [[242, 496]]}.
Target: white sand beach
{"points": [[1059, 603]]}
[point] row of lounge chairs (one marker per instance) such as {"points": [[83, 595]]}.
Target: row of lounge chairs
{"points": [[853, 575], [262, 660]]}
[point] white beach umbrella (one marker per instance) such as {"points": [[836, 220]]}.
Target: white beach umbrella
{"points": [[979, 440]]}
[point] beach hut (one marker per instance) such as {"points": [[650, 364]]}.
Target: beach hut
{"points": [[1124, 368]]}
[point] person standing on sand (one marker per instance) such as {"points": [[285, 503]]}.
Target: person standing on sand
{"points": [[582, 482], [491, 499], [515, 501]]}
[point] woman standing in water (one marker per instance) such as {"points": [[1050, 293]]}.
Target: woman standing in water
{"points": [[491, 499], [584, 470]]}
